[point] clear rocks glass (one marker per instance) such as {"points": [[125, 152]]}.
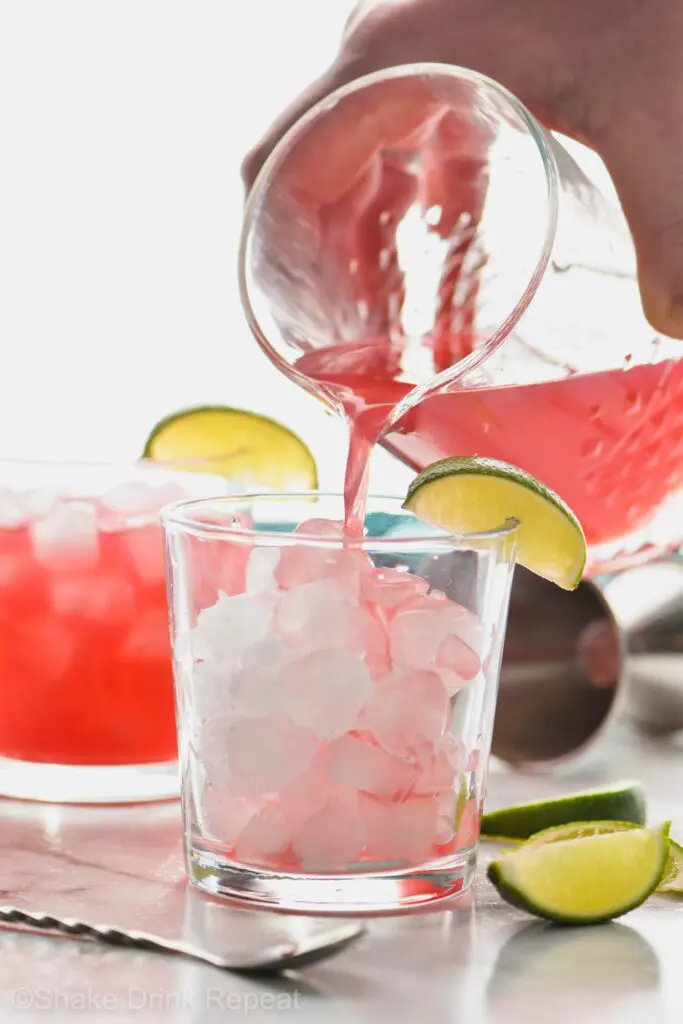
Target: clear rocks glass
{"points": [[335, 698]]}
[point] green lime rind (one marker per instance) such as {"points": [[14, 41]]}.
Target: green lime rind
{"points": [[624, 802], [672, 879], [587, 880]]}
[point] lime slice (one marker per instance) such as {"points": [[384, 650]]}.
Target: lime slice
{"points": [[473, 495], [672, 880], [584, 881], [243, 446], [624, 802]]}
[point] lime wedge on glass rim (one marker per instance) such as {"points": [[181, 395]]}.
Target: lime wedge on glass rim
{"points": [[586, 880], [474, 494], [244, 446], [622, 802]]}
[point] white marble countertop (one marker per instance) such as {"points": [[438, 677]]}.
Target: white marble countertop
{"points": [[480, 961]]}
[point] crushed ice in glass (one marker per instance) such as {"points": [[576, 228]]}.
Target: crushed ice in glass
{"points": [[325, 695]]}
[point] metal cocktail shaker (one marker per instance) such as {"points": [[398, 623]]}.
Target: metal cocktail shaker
{"points": [[576, 664]]}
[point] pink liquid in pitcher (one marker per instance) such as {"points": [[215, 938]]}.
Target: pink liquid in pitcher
{"points": [[611, 443]]}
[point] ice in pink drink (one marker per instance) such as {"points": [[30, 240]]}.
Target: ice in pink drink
{"points": [[85, 665], [323, 698]]}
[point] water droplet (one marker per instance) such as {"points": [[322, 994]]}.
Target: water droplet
{"points": [[628, 358], [594, 412]]}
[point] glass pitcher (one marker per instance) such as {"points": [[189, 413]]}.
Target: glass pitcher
{"points": [[419, 247]]}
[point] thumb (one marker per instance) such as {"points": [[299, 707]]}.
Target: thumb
{"points": [[644, 154]]}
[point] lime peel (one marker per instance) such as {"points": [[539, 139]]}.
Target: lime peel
{"points": [[624, 801]]}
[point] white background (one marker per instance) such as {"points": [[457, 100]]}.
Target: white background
{"points": [[122, 128]]}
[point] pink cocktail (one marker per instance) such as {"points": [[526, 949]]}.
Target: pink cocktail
{"points": [[336, 699], [85, 665]]}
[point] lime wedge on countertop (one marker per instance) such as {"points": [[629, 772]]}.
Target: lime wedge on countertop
{"points": [[672, 879], [586, 880], [244, 446], [622, 802], [474, 495]]}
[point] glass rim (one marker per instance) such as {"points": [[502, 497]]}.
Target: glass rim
{"points": [[140, 462], [176, 515], [427, 68]]}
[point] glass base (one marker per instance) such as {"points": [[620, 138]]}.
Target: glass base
{"points": [[368, 892], [88, 784]]}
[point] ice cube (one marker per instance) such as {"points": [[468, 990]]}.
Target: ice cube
{"points": [[437, 774], [43, 650], [255, 689], [325, 691], [109, 600], [401, 832], [407, 712], [209, 688], [455, 654], [145, 548], [40, 500], [227, 814], [267, 833], [331, 838], [227, 628], [365, 767], [67, 537], [16, 568], [388, 588], [169, 493], [308, 562], [416, 637], [465, 625], [134, 497], [13, 510], [368, 636], [213, 750], [266, 754], [149, 636], [261, 570], [308, 793], [315, 615], [452, 682]]}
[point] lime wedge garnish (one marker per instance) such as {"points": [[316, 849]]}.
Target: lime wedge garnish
{"points": [[624, 802], [243, 446], [672, 879], [473, 495], [587, 880]]}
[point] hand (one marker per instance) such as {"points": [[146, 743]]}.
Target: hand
{"points": [[609, 74]]}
